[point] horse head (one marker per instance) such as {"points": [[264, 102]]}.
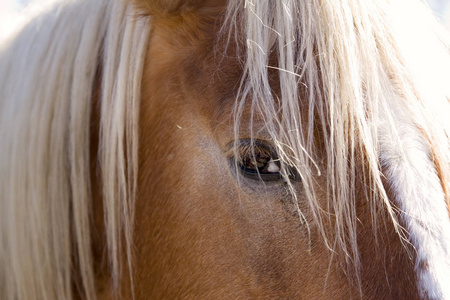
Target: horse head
{"points": [[211, 149]]}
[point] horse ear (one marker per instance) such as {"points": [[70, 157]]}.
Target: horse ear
{"points": [[175, 7]]}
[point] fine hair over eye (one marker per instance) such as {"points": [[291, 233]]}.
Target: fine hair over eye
{"points": [[225, 149]]}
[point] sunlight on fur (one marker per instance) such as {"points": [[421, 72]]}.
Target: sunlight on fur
{"points": [[373, 99]]}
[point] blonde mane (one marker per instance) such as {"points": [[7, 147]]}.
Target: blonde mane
{"points": [[47, 76], [344, 62], [340, 58]]}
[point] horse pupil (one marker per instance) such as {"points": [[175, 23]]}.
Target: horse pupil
{"points": [[262, 162], [257, 160], [257, 163]]}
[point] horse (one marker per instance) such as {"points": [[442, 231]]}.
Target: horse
{"points": [[211, 149]]}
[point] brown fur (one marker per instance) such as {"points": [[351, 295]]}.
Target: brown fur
{"points": [[201, 235], [442, 174]]}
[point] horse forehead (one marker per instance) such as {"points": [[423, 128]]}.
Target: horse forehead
{"points": [[179, 7], [191, 51]]}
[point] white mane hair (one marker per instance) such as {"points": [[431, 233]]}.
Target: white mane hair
{"points": [[363, 68], [370, 93], [47, 75]]}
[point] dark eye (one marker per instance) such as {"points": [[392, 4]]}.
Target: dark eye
{"points": [[258, 161]]}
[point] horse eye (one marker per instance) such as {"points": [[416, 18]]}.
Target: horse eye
{"points": [[257, 160]]}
